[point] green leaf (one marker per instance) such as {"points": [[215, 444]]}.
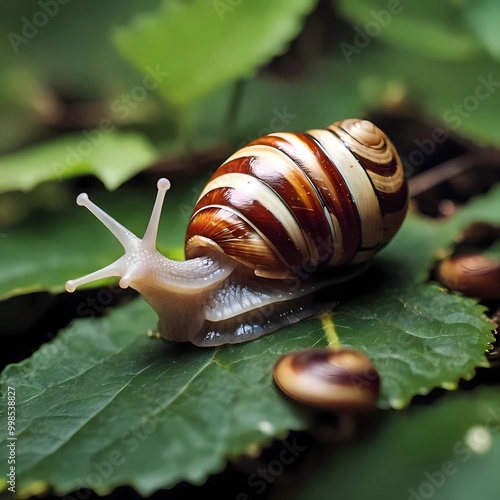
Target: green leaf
{"points": [[103, 405], [482, 17], [408, 26], [19, 121], [411, 328], [461, 96], [282, 106], [47, 39], [111, 156], [201, 45], [484, 209], [446, 451], [418, 337]]}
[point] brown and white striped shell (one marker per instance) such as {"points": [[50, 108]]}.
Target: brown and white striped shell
{"points": [[288, 201], [342, 379]]}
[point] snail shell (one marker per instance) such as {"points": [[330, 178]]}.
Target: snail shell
{"points": [[342, 379], [286, 201], [473, 275], [285, 206]]}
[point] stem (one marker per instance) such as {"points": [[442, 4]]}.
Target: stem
{"points": [[330, 331], [447, 170], [184, 130], [233, 109]]}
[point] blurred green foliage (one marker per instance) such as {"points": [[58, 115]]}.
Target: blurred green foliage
{"points": [[193, 75]]}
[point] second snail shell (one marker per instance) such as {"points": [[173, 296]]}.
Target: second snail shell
{"points": [[341, 380]]}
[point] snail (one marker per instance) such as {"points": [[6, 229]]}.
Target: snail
{"points": [[472, 274], [279, 220], [341, 379]]}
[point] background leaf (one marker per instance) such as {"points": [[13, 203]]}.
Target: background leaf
{"points": [[111, 156], [236, 40], [481, 16], [89, 64], [408, 26]]}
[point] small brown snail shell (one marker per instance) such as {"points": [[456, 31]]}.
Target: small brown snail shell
{"points": [[342, 379], [473, 275]]}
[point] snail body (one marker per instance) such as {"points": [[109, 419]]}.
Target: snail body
{"points": [[281, 219]]}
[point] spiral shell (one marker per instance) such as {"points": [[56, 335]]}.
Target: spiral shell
{"points": [[288, 201], [473, 275], [342, 379]]}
